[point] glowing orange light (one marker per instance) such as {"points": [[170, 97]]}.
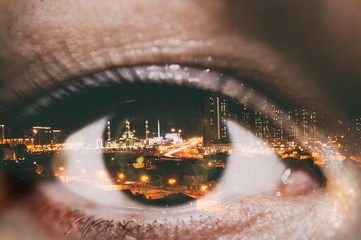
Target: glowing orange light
{"points": [[144, 178], [171, 181], [121, 176], [61, 168], [204, 188]]}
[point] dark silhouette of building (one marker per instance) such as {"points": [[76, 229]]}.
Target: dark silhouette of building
{"points": [[217, 111]]}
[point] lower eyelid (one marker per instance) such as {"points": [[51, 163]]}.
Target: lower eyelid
{"points": [[246, 217]]}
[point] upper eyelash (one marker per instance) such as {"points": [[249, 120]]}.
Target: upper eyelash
{"points": [[119, 76]]}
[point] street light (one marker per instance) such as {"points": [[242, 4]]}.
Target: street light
{"points": [[61, 169], [203, 188], [121, 178], [171, 181], [144, 179]]}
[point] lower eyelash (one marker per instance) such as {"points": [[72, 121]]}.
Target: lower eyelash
{"points": [[238, 217]]}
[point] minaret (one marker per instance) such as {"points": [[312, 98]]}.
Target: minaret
{"points": [[108, 131], [158, 131], [146, 133], [127, 126]]}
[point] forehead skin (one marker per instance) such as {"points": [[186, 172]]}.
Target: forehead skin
{"points": [[301, 51]]}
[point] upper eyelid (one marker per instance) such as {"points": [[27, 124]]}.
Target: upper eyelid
{"points": [[65, 65], [202, 79]]}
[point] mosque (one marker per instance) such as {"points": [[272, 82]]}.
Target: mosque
{"points": [[129, 141]]}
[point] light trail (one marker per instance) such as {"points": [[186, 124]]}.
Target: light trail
{"points": [[194, 142]]}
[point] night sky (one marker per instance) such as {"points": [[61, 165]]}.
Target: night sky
{"points": [[175, 107]]}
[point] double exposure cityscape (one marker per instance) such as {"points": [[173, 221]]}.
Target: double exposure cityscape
{"points": [[153, 160]]}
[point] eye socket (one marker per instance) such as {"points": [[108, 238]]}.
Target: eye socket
{"points": [[84, 172], [139, 176]]}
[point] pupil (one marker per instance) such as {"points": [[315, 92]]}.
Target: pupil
{"points": [[167, 151]]}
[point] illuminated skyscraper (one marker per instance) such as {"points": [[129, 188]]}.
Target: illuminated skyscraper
{"points": [[2, 133], [146, 133], [262, 125], [159, 132], [41, 135], [246, 117], [278, 125], [358, 124], [216, 114], [109, 136], [58, 136], [303, 125]]}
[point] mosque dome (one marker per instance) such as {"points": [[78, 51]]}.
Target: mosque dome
{"points": [[128, 134]]}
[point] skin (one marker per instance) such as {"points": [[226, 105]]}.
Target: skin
{"points": [[293, 51]]}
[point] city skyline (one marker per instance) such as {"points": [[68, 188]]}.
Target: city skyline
{"points": [[153, 154]]}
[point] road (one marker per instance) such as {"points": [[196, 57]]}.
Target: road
{"points": [[183, 149]]}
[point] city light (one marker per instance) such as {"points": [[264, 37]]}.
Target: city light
{"points": [[144, 178], [162, 153], [171, 181]]}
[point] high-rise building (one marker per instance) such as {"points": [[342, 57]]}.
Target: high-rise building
{"points": [[303, 125], [278, 125], [262, 126], [2, 133], [293, 133], [313, 128], [41, 135], [246, 117], [58, 136], [146, 133], [358, 124], [217, 111]]}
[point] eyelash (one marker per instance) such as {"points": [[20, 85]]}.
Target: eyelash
{"points": [[175, 75]]}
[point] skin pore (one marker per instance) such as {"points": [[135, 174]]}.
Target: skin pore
{"points": [[301, 52]]}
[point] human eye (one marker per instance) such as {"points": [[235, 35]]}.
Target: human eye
{"points": [[81, 84], [253, 179]]}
